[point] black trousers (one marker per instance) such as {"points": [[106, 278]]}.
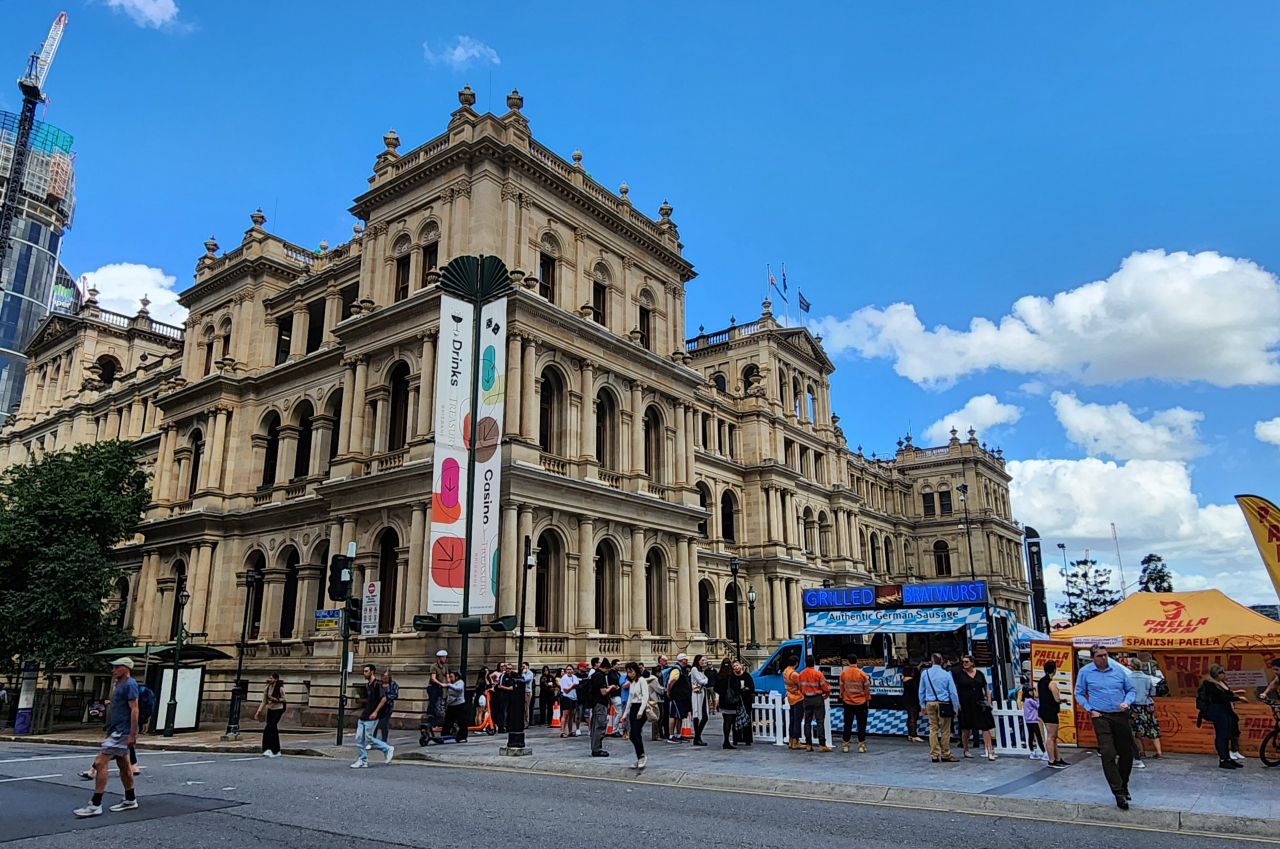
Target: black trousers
{"points": [[1115, 745], [699, 723], [271, 734], [635, 726], [729, 718], [1221, 716], [455, 723], [850, 712]]}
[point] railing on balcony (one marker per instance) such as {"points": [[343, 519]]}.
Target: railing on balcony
{"points": [[658, 490], [550, 645], [295, 490], [262, 496], [610, 645], [377, 645], [555, 465], [390, 460], [181, 507], [612, 479]]}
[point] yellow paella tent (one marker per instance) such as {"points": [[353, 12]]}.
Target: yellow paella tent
{"points": [[1186, 633]]}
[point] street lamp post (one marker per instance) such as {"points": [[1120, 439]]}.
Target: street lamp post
{"points": [[251, 577], [754, 645], [172, 712], [734, 565], [516, 710]]}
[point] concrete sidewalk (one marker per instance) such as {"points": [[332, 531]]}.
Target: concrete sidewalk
{"points": [[1182, 793]]}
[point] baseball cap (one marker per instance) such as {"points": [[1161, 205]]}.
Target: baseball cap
{"points": [[442, 653], [126, 662], [582, 664], [682, 657]]}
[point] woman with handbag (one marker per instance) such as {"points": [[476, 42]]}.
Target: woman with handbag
{"points": [[975, 706], [274, 703], [729, 689], [639, 711], [743, 734], [699, 714]]}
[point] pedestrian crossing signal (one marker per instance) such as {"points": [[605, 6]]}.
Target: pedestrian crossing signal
{"points": [[339, 576]]}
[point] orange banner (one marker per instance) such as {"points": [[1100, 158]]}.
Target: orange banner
{"points": [[1178, 731], [1061, 654], [1185, 670]]}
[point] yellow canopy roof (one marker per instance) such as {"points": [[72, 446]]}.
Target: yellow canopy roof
{"points": [[1207, 619]]}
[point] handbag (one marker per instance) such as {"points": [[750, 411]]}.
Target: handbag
{"points": [[743, 719], [946, 710]]}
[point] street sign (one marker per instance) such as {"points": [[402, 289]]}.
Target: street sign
{"points": [[327, 621], [369, 611]]}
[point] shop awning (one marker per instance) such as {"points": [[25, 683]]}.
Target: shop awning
{"points": [[883, 628], [1206, 619], [930, 620], [1026, 635], [191, 653]]}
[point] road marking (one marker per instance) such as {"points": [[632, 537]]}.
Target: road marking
{"points": [[903, 806], [254, 758], [49, 758], [30, 777], [189, 763]]}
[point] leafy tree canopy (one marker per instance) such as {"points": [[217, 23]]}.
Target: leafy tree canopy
{"points": [[1156, 577], [60, 517], [1088, 591]]}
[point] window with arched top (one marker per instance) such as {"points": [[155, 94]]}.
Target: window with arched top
{"points": [[655, 585], [750, 376], [704, 501], [888, 556], [430, 239], [875, 552], [941, 559], [811, 414], [302, 456], [206, 351], [722, 386], [548, 582], [653, 460], [551, 412], [547, 267], [606, 578], [257, 564], [607, 426], [728, 516], [272, 456], [795, 398], [927, 502], [109, 369], [289, 594], [389, 575], [704, 606], [398, 412], [197, 457]]}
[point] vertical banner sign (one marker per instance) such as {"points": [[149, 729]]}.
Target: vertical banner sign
{"points": [[449, 500], [1062, 655], [489, 415], [370, 609]]}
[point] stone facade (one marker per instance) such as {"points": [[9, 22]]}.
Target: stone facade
{"points": [[292, 415]]}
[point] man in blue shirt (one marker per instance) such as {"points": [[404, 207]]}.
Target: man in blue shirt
{"points": [[937, 693], [122, 734], [1104, 690]]}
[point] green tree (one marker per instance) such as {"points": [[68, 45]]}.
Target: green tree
{"points": [[1088, 591], [1155, 575], [60, 517]]}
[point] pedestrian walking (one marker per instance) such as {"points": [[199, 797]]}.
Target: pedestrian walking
{"points": [[729, 690], [855, 697], [392, 691], [658, 687], [375, 702], [600, 691], [1031, 719], [1050, 709], [699, 698], [504, 690], [816, 691], [547, 695], [1142, 716], [1104, 691], [455, 719], [274, 703], [679, 698], [1273, 689], [976, 713], [526, 675], [4, 706], [569, 703], [940, 702], [795, 704], [1214, 702], [911, 695], [122, 732], [637, 710]]}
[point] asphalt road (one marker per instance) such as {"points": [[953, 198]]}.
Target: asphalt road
{"points": [[233, 801]]}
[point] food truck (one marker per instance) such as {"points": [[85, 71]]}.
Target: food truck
{"points": [[889, 625]]}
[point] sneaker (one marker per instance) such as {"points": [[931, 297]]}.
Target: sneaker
{"points": [[991, 756], [125, 805], [1059, 764], [699, 742], [600, 754], [640, 764], [862, 747], [89, 810], [1137, 764], [1236, 756], [577, 733], [360, 765], [391, 750], [1035, 756], [1122, 803]]}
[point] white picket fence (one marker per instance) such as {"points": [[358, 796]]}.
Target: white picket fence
{"points": [[770, 716], [1011, 730]]}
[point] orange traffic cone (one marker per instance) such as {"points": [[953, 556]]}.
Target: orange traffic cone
{"points": [[686, 728], [555, 716], [609, 731]]}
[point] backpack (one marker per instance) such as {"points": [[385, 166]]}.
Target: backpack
{"points": [[1202, 698], [146, 704]]}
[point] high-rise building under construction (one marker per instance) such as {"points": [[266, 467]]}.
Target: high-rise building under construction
{"points": [[31, 276]]}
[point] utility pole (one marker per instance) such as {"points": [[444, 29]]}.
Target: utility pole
{"points": [[346, 641]]}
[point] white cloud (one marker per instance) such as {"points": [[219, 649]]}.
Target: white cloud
{"points": [[1154, 509], [122, 285], [147, 13], [1114, 430], [1033, 387], [980, 413], [1268, 431], [1174, 316], [462, 54]]}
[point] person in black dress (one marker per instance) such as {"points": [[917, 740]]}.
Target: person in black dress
{"points": [[975, 706], [742, 734]]}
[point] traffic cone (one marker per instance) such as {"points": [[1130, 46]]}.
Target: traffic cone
{"points": [[686, 728], [555, 716], [608, 732]]}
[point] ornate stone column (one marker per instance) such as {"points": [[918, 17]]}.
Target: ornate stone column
{"points": [[298, 341], [309, 577], [638, 595], [272, 602], [528, 404], [691, 422], [586, 574], [777, 610], [287, 453], [332, 313], [680, 464], [512, 548], [217, 446], [684, 621], [415, 586], [587, 428], [637, 428], [515, 391], [427, 383], [357, 417], [348, 397]]}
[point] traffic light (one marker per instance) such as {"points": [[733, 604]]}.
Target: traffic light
{"points": [[339, 576], [354, 611], [427, 623], [504, 623]]}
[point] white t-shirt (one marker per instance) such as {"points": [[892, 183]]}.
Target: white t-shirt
{"points": [[568, 687]]}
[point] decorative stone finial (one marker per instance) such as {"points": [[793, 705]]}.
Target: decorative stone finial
{"points": [[324, 245], [514, 100], [818, 339], [954, 432], [211, 246], [900, 444], [577, 158], [733, 319], [93, 296], [665, 210], [391, 140], [766, 310], [908, 436], [973, 434], [356, 229], [467, 97], [143, 304], [258, 218], [622, 190]]}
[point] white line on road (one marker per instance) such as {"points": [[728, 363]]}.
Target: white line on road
{"points": [[49, 758], [254, 758], [30, 777], [189, 763]]}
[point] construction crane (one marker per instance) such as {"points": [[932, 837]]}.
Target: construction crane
{"points": [[31, 84]]}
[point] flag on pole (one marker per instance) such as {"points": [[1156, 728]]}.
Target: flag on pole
{"points": [[774, 283], [804, 305], [784, 281]]}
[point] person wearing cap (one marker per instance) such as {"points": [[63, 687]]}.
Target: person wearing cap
{"points": [[437, 689], [679, 698], [122, 732]]}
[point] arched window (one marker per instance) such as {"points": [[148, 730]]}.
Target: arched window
{"points": [[944, 500], [197, 457], [206, 351], [388, 574], [721, 385], [606, 586], [319, 557], [653, 445], [732, 632], [795, 397], [728, 516], [644, 320], [302, 458], [813, 406], [941, 559], [808, 530], [704, 500], [600, 294], [704, 607], [259, 564], [888, 556], [655, 584], [334, 411], [824, 534], [875, 553], [289, 596], [179, 584], [607, 430], [122, 592], [927, 502], [551, 401], [398, 418], [226, 338], [273, 450], [110, 368], [750, 375], [430, 238], [547, 574], [547, 267]]}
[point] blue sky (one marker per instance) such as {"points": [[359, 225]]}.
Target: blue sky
{"points": [[947, 159]]}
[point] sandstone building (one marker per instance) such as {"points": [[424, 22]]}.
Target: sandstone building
{"points": [[292, 415]]}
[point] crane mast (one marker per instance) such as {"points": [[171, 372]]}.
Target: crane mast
{"points": [[31, 84]]}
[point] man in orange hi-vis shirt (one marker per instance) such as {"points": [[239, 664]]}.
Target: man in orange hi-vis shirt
{"points": [[855, 696], [816, 691], [795, 704]]}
